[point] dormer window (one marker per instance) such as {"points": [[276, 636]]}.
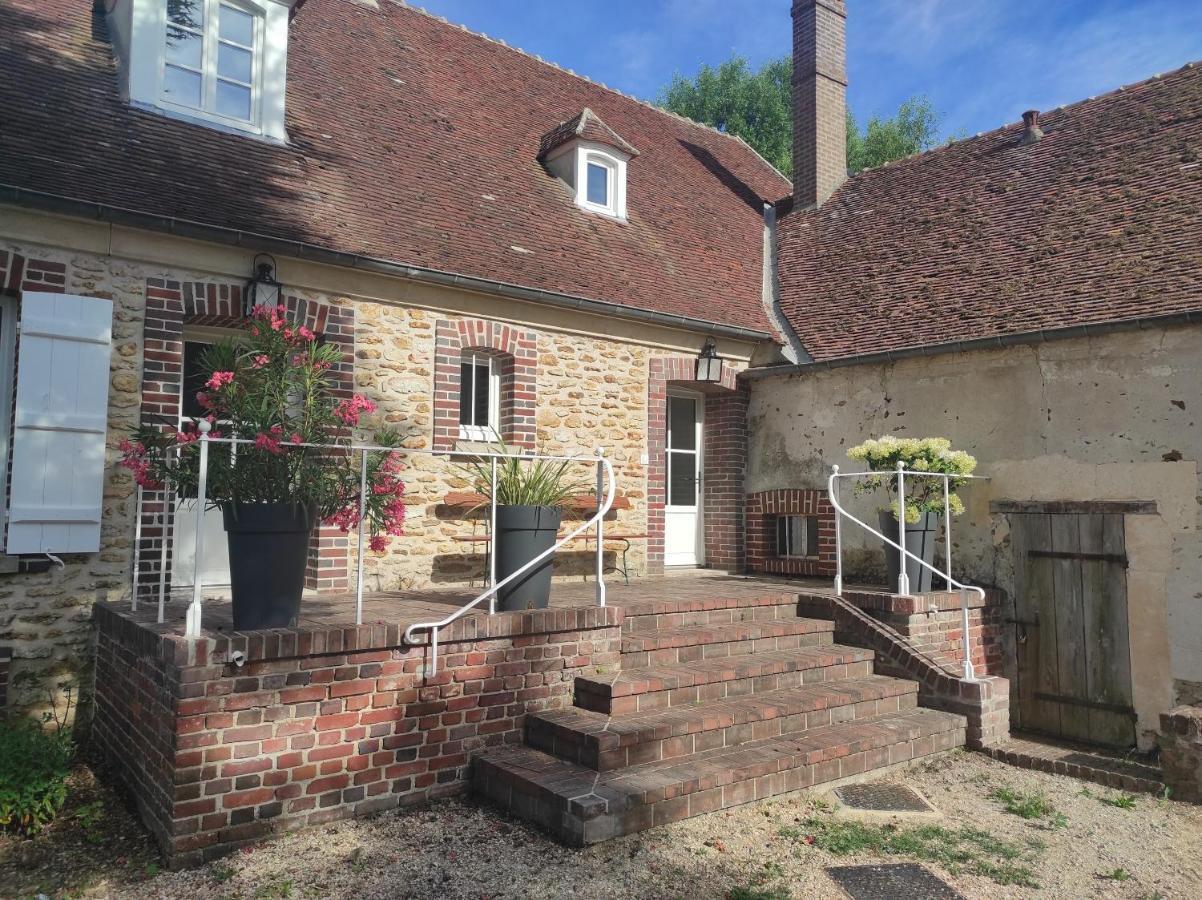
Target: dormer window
{"points": [[591, 159], [210, 57], [222, 63]]}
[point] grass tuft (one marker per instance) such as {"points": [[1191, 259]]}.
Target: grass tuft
{"points": [[1033, 805], [964, 849], [1119, 801]]}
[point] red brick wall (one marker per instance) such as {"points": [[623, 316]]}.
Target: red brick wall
{"points": [[321, 725], [724, 460], [762, 511], [518, 352], [170, 306]]}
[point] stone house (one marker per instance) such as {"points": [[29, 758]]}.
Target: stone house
{"points": [[507, 250]]}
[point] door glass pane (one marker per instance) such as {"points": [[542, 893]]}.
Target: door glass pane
{"points": [[682, 423], [236, 25], [181, 86], [233, 63], [189, 13], [682, 479], [194, 380], [233, 100]]}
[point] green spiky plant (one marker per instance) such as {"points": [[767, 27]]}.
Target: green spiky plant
{"points": [[525, 482]]}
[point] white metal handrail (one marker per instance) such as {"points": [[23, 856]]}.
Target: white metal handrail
{"points": [[903, 580], [605, 483], [605, 479]]}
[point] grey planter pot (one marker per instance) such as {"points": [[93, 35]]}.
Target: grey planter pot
{"points": [[920, 540], [269, 547], [523, 532]]}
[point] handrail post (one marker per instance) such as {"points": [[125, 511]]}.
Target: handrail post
{"points": [[969, 674], [903, 578], [133, 596], [192, 620], [947, 530], [362, 534], [492, 538], [163, 537], [834, 492], [600, 529]]}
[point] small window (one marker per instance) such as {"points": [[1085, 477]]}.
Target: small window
{"points": [[797, 536], [210, 60], [598, 184], [479, 398]]}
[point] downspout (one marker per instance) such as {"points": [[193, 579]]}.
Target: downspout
{"points": [[793, 350]]}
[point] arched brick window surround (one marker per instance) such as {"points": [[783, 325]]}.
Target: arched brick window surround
{"points": [[517, 352], [724, 461], [172, 305]]}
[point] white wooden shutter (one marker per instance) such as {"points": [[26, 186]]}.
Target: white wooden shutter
{"points": [[60, 422]]}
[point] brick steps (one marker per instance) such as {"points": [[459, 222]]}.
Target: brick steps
{"points": [[688, 643], [718, 678], [759, 610], [582, 806], [605, 743]]}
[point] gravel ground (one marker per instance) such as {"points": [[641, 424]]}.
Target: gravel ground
{"points": [[462, 850]]}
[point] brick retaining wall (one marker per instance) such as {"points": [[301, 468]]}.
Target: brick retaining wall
{"points": [[320, 725]]}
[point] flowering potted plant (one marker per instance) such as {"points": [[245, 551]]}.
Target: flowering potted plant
{"points": [[530, 498], [924, 496], [272, 388]]}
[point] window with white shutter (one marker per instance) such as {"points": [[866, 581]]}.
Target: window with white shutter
{"points": [[59, 424]]}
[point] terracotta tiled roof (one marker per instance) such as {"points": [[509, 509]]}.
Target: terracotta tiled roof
{"points": [[412, 141], [588, 126], [1099, 221]]}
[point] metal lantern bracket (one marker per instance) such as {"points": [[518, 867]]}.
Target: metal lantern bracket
{"points": [[262, 289]]}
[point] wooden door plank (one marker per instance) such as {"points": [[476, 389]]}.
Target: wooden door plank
{"points": [[1035, 603], [1070, 671], [1107, 642]]}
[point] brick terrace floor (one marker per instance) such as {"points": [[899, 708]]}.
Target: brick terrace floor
{"points": [[404, 607]]}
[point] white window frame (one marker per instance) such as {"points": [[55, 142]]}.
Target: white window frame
{"points": [[9, 312], [144, 60], [615, 168], [787, 523], [491, 430], [211, 41]]}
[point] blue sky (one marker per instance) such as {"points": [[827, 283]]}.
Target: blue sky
{"points": [[982, 62]]}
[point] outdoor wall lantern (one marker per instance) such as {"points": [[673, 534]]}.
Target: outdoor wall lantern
{"points": [[262, 289], [709, 363]]}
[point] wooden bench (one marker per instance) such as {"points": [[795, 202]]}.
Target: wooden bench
{"points": [[624, 539]]}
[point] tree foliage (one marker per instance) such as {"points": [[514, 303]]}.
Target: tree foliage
{"points": [[756, 105]]}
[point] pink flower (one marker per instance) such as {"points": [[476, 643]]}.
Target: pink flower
{"points": [[378, 543], [304, 332], [269, 441], [219, 380], [260, 361], [350, 410], [296, 438]]}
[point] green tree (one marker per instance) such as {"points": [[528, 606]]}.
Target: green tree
{"points": [[756, 105]]}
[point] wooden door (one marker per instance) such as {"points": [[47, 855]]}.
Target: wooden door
{"points": [[1073, 650]]}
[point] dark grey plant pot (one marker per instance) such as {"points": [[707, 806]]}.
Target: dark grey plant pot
{"points": [[920, 540], [523, 532], [269, 548]]}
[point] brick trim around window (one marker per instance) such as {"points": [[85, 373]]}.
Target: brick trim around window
{"points": [[172, 305], [517, 350], [762, 511], [724, 460]]}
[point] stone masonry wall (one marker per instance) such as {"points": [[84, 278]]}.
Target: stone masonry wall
{"points": [[311, 726]]}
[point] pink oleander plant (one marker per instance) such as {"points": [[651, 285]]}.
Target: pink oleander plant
{"points": [[273, 385]]}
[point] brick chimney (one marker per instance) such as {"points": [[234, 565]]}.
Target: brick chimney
{"points": [[819, 99]]}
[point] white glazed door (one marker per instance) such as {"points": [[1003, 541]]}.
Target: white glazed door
{"points": [[215, 567], [682, 511]]}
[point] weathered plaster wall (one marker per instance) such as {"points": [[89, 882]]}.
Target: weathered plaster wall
{"points": [[1111, 417]]}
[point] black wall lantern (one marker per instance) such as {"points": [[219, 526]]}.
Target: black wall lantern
{"points": [[262, 289], [709, 363]]}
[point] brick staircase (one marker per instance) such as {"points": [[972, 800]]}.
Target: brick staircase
{"points": [[717, 702]]}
